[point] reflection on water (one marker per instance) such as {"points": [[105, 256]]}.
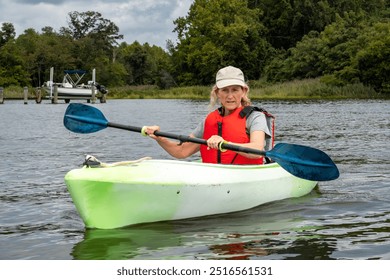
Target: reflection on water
{"points": [[177, 241], [273, 231], [163, 240], [348, 218], [124, 243]]}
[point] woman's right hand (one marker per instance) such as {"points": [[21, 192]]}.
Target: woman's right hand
{"points": [[149, 131]]}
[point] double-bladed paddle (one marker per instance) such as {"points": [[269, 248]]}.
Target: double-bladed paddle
{"points": [[301, 161]]}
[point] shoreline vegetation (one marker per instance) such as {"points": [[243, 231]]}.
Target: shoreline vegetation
{"points": [[293, 90]]}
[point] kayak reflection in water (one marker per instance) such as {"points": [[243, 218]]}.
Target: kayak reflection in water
{"points": [[234, 122]]}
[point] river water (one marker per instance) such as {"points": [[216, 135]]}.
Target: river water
{"points": [[348, 218]]}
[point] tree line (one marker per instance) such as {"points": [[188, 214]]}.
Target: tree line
{"points": [[340, 41]]}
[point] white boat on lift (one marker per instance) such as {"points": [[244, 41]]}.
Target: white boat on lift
{"points": [[71, 87]]}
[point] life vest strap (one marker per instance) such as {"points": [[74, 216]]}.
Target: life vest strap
{"points": [[270, 122]]}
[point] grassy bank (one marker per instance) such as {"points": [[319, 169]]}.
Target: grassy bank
{"points": [[294, 90]]}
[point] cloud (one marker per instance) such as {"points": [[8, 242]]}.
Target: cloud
{"points": [[145, 21]]}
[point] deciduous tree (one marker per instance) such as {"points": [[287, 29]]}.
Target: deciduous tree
{"points": [[216, 34]]}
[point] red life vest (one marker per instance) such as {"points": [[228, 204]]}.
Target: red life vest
{"points": [[231, 128]]}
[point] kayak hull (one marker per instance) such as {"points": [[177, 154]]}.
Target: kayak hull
{"points": [[161, 190]]}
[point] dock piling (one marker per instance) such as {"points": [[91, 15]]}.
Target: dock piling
{"points": [[1, 95], [93, 88], [38, 97], [25, 95], [55, 96]]}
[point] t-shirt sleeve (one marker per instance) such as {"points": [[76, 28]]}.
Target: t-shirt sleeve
{"points": [[257, 122], [198, 132]]}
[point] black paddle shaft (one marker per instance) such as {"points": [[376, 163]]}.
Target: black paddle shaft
{"points": [[186, 138], [181, 138]]}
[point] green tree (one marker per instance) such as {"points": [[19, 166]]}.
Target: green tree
{"points": [[12, 70], [162, 68], [92, 24], [54, 50], [40, 52], [145, 64], [319, 54], [138, 63], [351, 50], [7, 33], [287, 21], [215, 34], [7, 60], [95, 40], [114, 74], [372, 62]]}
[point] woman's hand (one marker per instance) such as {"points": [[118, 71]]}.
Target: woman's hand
{"points": [[149, 131], [213, 142]]}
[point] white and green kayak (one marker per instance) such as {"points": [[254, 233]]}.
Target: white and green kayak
{"points": [[159, 190]]}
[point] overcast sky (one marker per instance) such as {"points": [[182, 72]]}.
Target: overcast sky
{"points": [[145, 21]]}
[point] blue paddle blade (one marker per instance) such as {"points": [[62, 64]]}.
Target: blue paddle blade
{"points": [[82, 118], [304, 162]]}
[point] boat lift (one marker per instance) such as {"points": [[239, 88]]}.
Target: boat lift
{"points": [[70, 87]]}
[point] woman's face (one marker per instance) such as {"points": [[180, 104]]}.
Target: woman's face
{"points": [[231, 96]]}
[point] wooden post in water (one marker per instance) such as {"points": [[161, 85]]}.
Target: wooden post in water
{"points": [[25, 95], [103, 99], [55, 97], [38, 97], [93, 88], [51, 83], [1, 95]]}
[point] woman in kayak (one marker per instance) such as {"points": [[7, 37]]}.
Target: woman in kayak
{"points": [[235, 122]]}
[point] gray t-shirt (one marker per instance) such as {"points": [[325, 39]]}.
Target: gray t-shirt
{"points": [[255, 122]]}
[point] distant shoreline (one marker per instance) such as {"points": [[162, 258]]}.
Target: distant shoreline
{"points": [[309, 89]]}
